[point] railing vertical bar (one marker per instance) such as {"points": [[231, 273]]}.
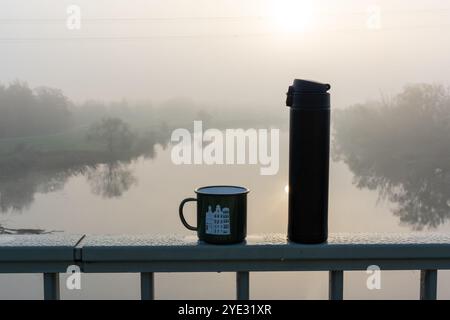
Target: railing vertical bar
{"points": [[336, 285], [147, 286], [51, 286], [428, 284], [242, 285]]}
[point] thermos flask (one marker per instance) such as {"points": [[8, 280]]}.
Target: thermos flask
{"points": [[309, 151]]}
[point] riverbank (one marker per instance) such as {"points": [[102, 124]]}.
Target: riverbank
{"points": [[68, 150]]}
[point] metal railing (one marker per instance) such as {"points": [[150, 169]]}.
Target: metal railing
{"points": [[147, 255]]}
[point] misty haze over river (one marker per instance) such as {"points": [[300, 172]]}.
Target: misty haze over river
{"points": [[85, 141], [373, 188]]}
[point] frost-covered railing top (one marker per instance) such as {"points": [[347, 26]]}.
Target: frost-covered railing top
{"points": [[52, 254]]}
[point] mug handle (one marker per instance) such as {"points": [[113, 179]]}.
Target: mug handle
{"points": [[180, 210]]}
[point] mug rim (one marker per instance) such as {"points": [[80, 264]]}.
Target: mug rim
{"points": [[245, 190]]}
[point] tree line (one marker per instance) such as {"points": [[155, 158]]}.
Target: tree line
{"points": [[26, 112], [400, 147]]}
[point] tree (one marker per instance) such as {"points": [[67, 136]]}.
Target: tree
{"points": [[27, 112], [401, 149], [114, 133]]}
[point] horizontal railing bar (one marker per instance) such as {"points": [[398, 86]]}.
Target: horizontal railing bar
{"points": [[256, 253], [35, 267], [261, 266], [351, 251], [223, 266]]}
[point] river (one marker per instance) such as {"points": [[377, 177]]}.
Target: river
{"points": [[142, 197]]}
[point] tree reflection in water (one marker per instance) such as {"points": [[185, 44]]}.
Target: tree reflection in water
{"points": [[12, 231], [25, 170], [110, 180], [401, 149], [17, 189]]}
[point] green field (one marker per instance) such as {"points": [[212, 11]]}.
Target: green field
{"points": [[71, 140]]}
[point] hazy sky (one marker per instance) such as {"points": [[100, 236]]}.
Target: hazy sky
{"points": [[220, 52]]}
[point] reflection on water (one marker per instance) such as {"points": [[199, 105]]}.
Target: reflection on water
{"points": [[111, 180], [26, 171], [17, 189], [108, 180], [401, 149], [12, 231]]}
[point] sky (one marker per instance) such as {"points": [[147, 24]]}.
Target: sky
{"points": [[225, 52]]}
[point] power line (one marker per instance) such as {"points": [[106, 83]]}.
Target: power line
{"points": [[209, 36], [127, 19], [119, 38], [442, 11]]}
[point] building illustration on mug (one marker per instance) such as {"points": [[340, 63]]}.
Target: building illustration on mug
{"points": [[218, 222]]}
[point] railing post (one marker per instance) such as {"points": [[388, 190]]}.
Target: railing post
{"points": [[147, 286], [51, 286], [336, 285], [428, 284], [242, 285]]}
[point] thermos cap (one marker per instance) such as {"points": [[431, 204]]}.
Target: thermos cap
{"points": [[305, 94]]}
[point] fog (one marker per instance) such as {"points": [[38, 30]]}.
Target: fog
{"points": [[223, 52], [86, 118]]}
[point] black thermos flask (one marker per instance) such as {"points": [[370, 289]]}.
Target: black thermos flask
{"points": [[309, 152]]}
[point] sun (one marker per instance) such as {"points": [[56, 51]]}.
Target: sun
{"points": [[291, 15]]}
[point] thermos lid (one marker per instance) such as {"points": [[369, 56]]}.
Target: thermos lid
{"points": [[305, 94]]}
